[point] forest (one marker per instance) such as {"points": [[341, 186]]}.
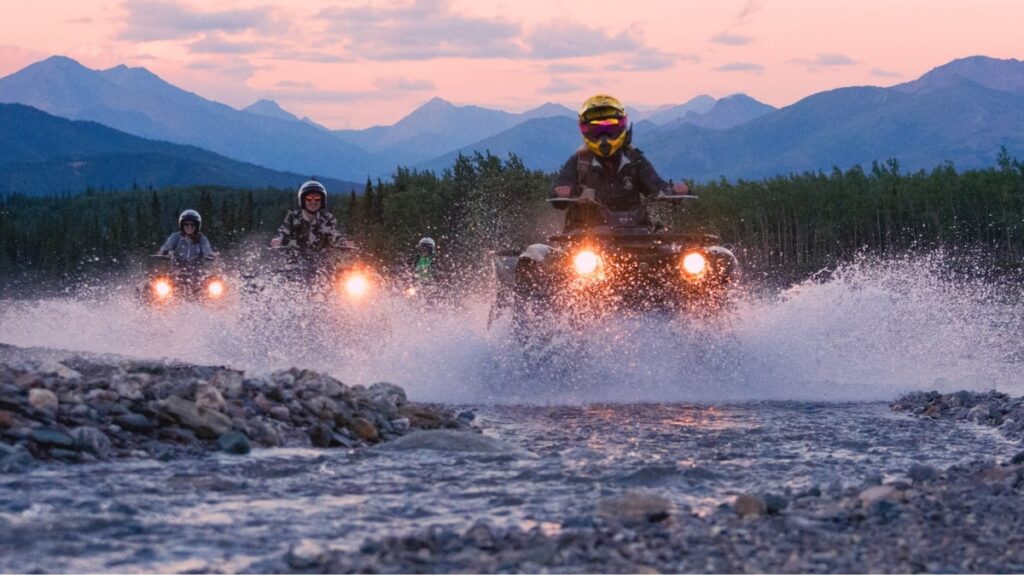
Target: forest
{"points": [[782, 229]]}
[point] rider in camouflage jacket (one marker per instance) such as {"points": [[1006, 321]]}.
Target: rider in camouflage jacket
{"points": [[311, 226]]}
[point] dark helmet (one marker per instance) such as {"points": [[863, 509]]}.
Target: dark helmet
{"points": [[312, 187], [427, 244], [603, 124], [190, 216]]}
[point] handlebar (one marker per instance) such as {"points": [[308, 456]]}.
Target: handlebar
{"points": [[657, 198]]}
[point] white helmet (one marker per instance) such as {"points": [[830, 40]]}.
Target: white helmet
{"points": [[428, 243], [312, 187], [190, 216]]}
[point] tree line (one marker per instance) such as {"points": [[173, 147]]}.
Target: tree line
{"points": [[782, 227]]}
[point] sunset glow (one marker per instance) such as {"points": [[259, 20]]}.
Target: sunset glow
{"points": [[357, 64]]}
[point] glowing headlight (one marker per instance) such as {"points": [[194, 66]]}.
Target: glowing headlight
{"points": [[586, 262], [694, 263], [162, 288], [356, 285], [410, 291], [215, 288]]}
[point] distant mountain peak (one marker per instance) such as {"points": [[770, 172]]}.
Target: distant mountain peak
{"points": [[1004, 75]]}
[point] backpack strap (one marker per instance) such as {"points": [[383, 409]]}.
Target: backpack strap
{"points": [[584, 162]]}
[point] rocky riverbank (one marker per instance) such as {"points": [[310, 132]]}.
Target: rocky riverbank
{"points": [[966, 519], [79, 410], [990, 408]]}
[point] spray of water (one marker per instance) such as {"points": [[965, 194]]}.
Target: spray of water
{"points": [[874, 330]]}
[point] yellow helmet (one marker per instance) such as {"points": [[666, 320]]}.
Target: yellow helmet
{"points": [[603, 124]]}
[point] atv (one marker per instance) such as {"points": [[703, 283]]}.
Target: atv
{"points": [[608, 262], [169, 284]]}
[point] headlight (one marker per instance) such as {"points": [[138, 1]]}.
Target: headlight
{"points": [[694, 263], [356, 285], [162, 288], [586, 262], [215, 289]]}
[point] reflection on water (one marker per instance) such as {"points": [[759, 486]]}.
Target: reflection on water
{"points": [[228, 513]]}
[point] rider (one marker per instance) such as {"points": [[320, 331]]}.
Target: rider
{"points": [[618, 173], [422, 263], [187, 246], [312, 227]]}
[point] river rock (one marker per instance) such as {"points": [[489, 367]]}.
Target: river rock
{"points": [[386, 393], [135, 422], [304, 554], [43, 399], [919, 472], [879, 493], [635, 508], [205, 423], [364, 429], [321, 436], [15, 459], [51, 437], [91, 440], [750, 505], [58, 369], [207, 397], [234, 442]]}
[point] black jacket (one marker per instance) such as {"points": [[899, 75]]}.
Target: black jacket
{"points": [[620, 189]]}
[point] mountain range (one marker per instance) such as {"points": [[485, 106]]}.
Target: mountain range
{"points": [[44, 154], [960, 112]]}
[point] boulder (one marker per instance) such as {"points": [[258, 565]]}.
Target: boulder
{"points": [[635, 508], [91, 440], [43, 399], [206, 424], [750, 505], [58, 369], [234, 442]]}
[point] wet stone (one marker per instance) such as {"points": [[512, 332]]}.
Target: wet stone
{"points": [[43, 399], [364, 429], [91, 440], [234, 442], [50, 437], [750, 505], [135, 422]]}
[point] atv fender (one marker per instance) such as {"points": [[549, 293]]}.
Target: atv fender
{"points": [[724, 262], [536, 253]]}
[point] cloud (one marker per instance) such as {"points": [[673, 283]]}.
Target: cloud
{"points": [[310, 56], [559, 86], [741, 67], [825, 61], [567, 68], [420, 31], [651, 60], [571, 39], [82, 20], [292, 84], [217, 44], [152, 20], [731, 39], [235, 68], [404, 85], [878, 72]]}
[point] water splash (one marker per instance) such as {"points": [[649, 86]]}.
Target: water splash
{"points": [[873, 331]]}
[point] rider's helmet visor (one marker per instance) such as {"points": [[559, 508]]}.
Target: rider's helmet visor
{"points": [[611, 128]]}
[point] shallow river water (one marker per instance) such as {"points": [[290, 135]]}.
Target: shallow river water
{"points": [[233, 513], [789, 394]]}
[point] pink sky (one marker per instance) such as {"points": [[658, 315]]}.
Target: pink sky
{"points": [[357, 64]]}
